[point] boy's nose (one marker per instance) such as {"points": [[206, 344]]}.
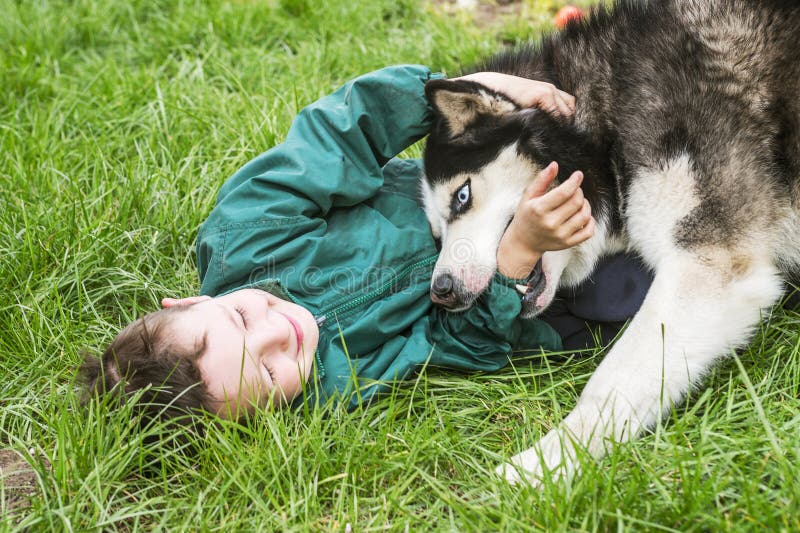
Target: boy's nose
{"points": [[274, 334]]}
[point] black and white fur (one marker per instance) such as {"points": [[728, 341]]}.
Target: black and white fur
{"points": [[687, 128]]}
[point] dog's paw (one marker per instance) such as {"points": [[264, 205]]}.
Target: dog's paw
{"points": [[519, 471], [553, 457]]}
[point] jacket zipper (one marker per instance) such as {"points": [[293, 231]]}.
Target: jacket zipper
{"points": [[343, 308]]}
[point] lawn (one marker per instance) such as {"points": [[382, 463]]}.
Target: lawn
{"points": [[119, 120]]}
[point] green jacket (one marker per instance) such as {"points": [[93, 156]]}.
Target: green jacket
{"points": [[332, 221]]}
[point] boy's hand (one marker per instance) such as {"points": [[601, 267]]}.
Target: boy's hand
{"points": [[545, 221], [528, 93]]}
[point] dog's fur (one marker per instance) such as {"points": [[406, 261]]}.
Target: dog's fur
{"points": [[687, 128]]}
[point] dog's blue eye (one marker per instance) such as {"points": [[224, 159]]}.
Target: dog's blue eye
{"points": [[463, 194]]}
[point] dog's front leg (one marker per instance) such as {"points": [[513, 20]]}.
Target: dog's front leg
{"points": [[694, 313]]}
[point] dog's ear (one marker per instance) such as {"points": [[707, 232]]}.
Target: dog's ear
{"points": [[460, 103]]}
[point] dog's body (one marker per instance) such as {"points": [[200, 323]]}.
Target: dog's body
{"points": [[687, 128]]}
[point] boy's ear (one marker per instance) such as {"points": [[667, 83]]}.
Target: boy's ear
{"points": [[175, 302], [460, 103]]}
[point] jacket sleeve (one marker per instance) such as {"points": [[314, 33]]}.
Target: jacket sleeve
{"points": [[332, 157], [335, 148], [483, 337]]}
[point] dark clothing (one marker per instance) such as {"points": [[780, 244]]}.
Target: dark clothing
{"points": [[600, 306]]}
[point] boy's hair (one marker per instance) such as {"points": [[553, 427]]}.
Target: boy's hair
{"points": [[141, 358]]}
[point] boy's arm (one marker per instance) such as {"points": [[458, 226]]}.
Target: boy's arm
{"points": [[336, 147], [334, 150], [332, 157]]}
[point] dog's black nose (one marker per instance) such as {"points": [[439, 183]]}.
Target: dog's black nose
{"points": [[442, 286]]}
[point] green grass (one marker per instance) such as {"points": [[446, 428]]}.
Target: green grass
{"points": [[119, 120]]}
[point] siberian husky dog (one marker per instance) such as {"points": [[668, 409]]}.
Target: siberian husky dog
{"points": [[687, 128]]}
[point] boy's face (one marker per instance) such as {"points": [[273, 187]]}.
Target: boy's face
{"points": [[257, 346]]}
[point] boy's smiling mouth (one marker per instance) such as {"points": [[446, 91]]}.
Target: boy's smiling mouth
{"points": [[298, 332]]}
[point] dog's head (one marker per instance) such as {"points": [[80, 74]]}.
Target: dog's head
{"points": [[482, 152]]}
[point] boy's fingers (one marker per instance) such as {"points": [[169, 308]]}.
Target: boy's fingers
{"points": [[555, 198], [582, 234], [570, 208], [579, 219], [565, 104], [569, 100], [542, 181]]}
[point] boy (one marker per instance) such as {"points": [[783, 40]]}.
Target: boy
{"points": [[318, 255]]}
